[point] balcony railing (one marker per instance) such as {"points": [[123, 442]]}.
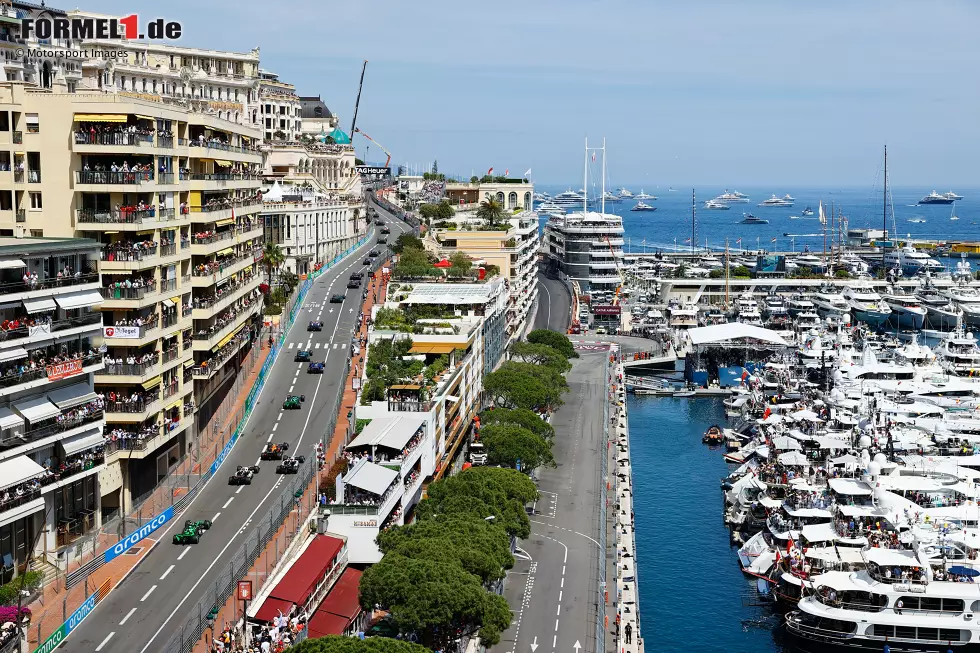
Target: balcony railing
{"points": [[28, 376], [126, 255], [222, 176], [14, 501], [171, 389], [166, 178], [113, 138], [131, 407], [170, 354], [168, 250], [122, 216], [169, 320], [168, 285], [165, 141], [66, 425], [109, 177], [410, 406], [129, 293], [129, 369], [215, 145], [53, 326]]}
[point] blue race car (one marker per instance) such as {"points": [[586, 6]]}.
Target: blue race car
{"points": [[315, 368]]}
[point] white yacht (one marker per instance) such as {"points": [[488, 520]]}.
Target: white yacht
{"points": [[958, 354], [550, 208], [747, 310], [609, 196], [730, 197], [776, 201], [789, 198], [798, 304], [907, 310], [644, 196], [683, 316], [942, 314], [911, 261], [867, 305], [716, 206], [569, 199], [541, 197], [625, 193], [952, 196], [775, 305], [829, 302], [587, 247], [967, 298]]}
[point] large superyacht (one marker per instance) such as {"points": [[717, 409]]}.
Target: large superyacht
{"points": [[587, 247]]}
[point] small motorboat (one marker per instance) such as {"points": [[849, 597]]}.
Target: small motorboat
{"points": [[713, 436], [684, 393]]}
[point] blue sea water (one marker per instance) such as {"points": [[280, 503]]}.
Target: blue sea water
{"points": [[862, 207], [693, 596]]}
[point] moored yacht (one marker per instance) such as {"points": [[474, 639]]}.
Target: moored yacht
{"points": [[747, 310], [941, 313], [867, 305], [799, 303], [829, 302], [641, 206], [776, 201], [775, 305], [715, 205], [643, 196], [953, 196], [958, 354], [967, 298], [611, 197], [625, 193], [907, 311], [936, 198], [569, 199], [911, 261]]}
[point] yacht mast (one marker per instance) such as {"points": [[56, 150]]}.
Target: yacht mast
{"points": [[884, 214], [726, 274], [694, 237], [585, 180], [603, 191]]}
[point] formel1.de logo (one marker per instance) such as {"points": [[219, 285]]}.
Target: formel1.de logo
{"points": [[46, 26]]}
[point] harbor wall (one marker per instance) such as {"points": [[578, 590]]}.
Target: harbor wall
{"points": [[620, 484]]}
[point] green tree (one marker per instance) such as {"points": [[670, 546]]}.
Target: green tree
{"points": [[521, 385], [520, 416], [340, 644], [445, 210], [483, 492], [491, 211], [461, 264], [273, 257], [482, 546], [474, 179], [510, 444], [435, 598], [539, 354], [741, 272], [555, 340], [435, 167], [406, 241]]}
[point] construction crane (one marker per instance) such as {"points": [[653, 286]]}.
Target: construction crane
{"points": [[619, 271], [376, 143]]}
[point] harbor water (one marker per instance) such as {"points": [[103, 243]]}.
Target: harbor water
{"points": [[693, 596]]}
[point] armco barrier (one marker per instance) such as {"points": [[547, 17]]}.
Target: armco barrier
{"points": [[78, 616], [151, 526]]}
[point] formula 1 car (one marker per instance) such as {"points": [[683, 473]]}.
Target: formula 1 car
{"points": [[243, 475], [366, 261], [315, 368], [315, 325], [290, 465], [192, 531], [273, 451], [373, 253], [303, 356], [379, 222], [293, 402], [386, 230], [353, 283], [338, 298], [382, 241]]}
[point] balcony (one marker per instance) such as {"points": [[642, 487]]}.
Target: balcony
{"points": [[224, 147], [47, 430], [40, 375], [126, 219], [213, 273], [221, 181], [410, 406], [119, 139], [122, 257], [208, 307], [133, 411], [137, 371], [109, 178]]}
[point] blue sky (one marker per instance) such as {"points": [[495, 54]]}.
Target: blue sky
{"points": [[749, 92]]}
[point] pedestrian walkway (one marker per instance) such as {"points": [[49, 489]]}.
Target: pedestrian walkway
{"points": [[56, 603], [275, 551]]}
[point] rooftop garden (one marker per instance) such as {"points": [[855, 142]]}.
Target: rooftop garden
{"points": [[417, 318], [416, 263], [391, 366]]}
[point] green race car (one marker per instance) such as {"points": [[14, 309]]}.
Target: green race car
{"points": [[293, 402], [192, 531]]}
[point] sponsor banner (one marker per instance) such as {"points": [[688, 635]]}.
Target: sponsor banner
{"points": [[368, 523], [606, 309], [147, 529], [64, 370], [40, 331], [121, 332], [373, 172]]}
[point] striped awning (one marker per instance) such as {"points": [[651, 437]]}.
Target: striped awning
{"points": [[223, 163], [226, 221], [99, 117], [227, 338], [152, 383], [141, 117]]}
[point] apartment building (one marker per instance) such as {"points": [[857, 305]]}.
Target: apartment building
{"points": [[511, 194], [314, 207], [52, 448], [280, 111], [418, 431], [171, 197], [512, 248]]}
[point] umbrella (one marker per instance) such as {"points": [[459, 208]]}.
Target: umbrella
{"points": [[960, 570], [774, 418], [792, 458], [786, 444]]}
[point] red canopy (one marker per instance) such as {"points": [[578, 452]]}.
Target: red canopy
{"points": [[298, 583], [271, 607], [326, 623], [444, 264], [340, 607]]}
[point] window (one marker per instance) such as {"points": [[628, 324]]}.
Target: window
{"points": [[37, 233], [905, 632], [35, 201], [929, 633], [4, 121], [33, 125], [881, 630], [268, 109], [949, 635]]}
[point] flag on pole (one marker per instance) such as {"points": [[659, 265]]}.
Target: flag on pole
{"points": [[506, 172], [687, 240], [738, 241], [490, 171], [528, 173], [773, 240], [823, 216], [593, 157]]}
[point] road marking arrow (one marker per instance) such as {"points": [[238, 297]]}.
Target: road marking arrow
{"points": [[577, 646], [534, 644]]}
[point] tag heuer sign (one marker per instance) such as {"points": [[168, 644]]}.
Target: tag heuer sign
{"points": [[372, 172]]}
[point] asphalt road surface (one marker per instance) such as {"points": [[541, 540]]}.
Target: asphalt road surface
{"points": [[554, 305], [553, 588], [141, 614]]}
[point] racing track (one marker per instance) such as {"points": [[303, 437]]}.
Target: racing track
{"points": [[141, 613]]}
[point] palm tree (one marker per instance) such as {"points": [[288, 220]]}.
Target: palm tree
{"points": [[273, 257], [490, 210]]}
